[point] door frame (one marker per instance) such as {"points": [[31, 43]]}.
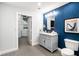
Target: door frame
{"points": [[17, 19]]}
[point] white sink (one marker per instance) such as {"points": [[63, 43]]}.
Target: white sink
{"points": [[53, 33]]}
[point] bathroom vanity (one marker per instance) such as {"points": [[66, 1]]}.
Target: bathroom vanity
{"points": [[49, 40]]}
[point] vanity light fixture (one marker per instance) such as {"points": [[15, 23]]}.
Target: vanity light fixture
{"points": [[55, 13], [49, 14]]}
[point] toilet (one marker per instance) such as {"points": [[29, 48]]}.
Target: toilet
{"points": [[71, 46]]}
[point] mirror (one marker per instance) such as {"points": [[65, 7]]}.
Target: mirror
{"points": [[50, 21]]}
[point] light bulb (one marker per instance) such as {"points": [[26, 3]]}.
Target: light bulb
{"points": [[55, 13], [39, 4]]}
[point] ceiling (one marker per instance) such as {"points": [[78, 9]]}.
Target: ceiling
{"points": [[32, 6]]}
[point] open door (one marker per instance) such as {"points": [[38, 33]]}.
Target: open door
{"points": [[30, 30]]}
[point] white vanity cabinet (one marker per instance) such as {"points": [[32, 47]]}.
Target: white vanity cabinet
{"points": [[48, 41]]}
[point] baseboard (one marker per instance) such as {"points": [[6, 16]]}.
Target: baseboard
{"points": [[30, 42], [7, 51], [35, 43]]}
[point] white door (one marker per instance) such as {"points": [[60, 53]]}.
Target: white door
{"points": [[30, 28], [19, 26]]}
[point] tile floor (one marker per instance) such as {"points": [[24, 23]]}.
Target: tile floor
{"points": [[26, 50]]}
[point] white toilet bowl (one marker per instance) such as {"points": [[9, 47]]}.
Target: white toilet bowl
{"points": [[67, 52]]}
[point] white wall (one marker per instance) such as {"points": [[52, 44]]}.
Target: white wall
{"points": [[8, 30], [36, 24]]}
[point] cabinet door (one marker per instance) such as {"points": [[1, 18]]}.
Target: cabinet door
{"points": [[54, 38], [54, 42], [48, 44], [41, 40], [54, 46]]}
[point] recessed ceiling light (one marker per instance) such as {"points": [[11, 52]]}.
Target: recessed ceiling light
{"points": [[39, 4]]}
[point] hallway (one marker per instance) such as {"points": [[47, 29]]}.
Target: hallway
{"points": [[26, 50]]}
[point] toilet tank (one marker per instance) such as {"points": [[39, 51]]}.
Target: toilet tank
{"points": [[72, 44]]}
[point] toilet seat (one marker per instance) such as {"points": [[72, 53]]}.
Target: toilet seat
{"points": [[67, 52]]}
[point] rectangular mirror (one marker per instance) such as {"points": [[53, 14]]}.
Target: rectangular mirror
{"points": [[50, 21]]}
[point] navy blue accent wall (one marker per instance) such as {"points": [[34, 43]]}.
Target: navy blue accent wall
{"points": [[70, 10]]}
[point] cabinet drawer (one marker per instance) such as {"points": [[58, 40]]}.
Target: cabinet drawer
{"points": [[42, 36], [54, 39]]}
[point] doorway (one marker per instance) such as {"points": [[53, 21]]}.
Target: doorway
{"points": [[24, 30]]}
